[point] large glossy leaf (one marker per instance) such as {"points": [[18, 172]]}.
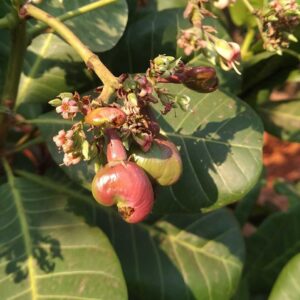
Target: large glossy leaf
{"points": [[5, 7], [268, 64], [179, 257], [220, 142], [271, 247], [290, 190], [47, 252], [150, 35], [282, 119], [240, 14], [51, 66], [100, 28], [242, 292], [156, 33], [146, 38], [287, 284], [245, 206]]}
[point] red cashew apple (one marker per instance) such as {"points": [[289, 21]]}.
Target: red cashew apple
{"points": [[126, 185], [162, 162], [105, 116]]}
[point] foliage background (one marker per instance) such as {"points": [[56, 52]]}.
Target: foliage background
{"points": [[57, 243]]}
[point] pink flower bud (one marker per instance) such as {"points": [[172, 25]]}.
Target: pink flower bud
{"points": [[126, 185], [60, 139], [71, 159], [68, 108]]}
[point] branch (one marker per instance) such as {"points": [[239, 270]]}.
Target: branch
{"points": [[91, 60]]}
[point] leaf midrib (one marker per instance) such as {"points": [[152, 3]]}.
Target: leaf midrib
{"points": [[145, 227], [25, 234]]}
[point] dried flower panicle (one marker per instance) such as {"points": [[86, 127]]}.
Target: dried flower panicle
{"points": [[191, 40], [105, 132], [279, 20], [129, 112], [203, 38], [65, 142]]}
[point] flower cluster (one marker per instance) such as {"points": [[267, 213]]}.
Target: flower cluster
{"points": [[201, 37], [278, 22], [129, 112], [68, 105], [106, 132], [64, 141]]}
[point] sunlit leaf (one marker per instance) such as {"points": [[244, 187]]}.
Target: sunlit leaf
{"points": [[100, 28], [220, 141], [47, 252], [287, 284]]}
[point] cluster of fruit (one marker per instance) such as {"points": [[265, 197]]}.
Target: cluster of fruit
{"points": [[125, 182], [123, 136]]}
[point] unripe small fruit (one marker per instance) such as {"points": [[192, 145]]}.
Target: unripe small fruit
{"points": [[126, 185], [201, 79], [162, 162], [105, 116]]}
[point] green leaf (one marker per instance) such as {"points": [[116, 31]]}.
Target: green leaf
{"points": [[291, 191], [155, 6], [100, 29], [268, 64], [294, 76], [5, 7], [162, 4], [287, 284], [179, 257], [154, 34], [282, 119], [274, 243], [47, 252], [220, 142], [51, 66], [246, 205], [242, 292], [240, 14]]}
